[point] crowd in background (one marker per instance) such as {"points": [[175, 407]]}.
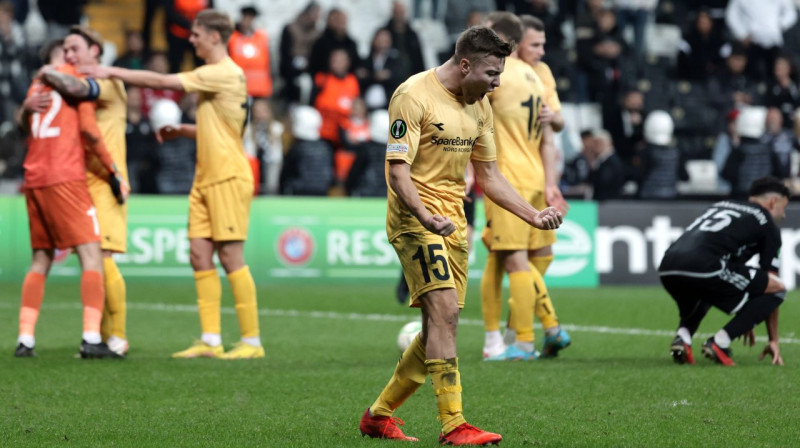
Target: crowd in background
{"points": [[725, 72]]}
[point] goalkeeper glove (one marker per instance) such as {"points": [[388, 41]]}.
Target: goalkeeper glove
{"points": [[119, 187]]}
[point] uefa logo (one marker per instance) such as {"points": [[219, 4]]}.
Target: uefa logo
{"points": [[295, 247]]}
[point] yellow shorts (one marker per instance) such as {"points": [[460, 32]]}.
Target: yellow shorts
{"points": [[505, 231], [221, 211], [433, 262], [112, 217]]}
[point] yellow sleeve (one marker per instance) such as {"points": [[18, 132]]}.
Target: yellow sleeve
{"points": [[207, 78], [484, 149], [551, 95], [405, 117]]}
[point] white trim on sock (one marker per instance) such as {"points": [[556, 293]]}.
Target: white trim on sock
{"points": [[684, 334], [722, 339], [212, 339]]}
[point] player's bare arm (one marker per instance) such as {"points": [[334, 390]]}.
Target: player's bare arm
{"points": [[67, 85], [37, 102], [772, 349], [173, 132], [400, 182], [141, 78], [547, 148], [92, 139], [497, 188], [548, 116]]}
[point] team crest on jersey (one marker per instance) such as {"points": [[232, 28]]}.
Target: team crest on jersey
{"points": [[295, 247], [399, 128]]}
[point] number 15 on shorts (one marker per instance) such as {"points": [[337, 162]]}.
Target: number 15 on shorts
{"points": [[436, 262]]}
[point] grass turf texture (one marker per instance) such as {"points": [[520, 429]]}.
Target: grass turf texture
{"points": [[324, 366]]}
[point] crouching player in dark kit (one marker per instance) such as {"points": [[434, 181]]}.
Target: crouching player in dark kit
{"points": [[706, 267]]}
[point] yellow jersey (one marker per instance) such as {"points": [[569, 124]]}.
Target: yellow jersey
{"points": [[550, 93], [221, 115], [437, 134], [112, 108], [518, 134]]}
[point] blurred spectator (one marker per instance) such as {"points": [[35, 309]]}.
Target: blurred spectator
{"points": [[60, 15], [457, 14], [249, 49], [607, 176], [333, 37], [662, 164], [600, 56], [295, 47], [541, 10], [150, 9], [383, 71], [264, 138], [406, 43], [575, 178], [780, 141], [141, 146], [752, 157], [635, 13], [354, 133], [308, 166], [157, 63], [700, 53], [177, 157], [732, 88], [759, 26], [783, 92], [333, 95], [723, 147], [624, 120], [180, 15], [474, 18], [21, 8], [134, 56], [13, 73], [367, 176]]}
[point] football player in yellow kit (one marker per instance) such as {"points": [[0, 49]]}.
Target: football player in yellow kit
{"points": [[440, 121], [219, 202]]}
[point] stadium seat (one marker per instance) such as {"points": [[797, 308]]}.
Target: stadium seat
{"points": [[702, 178], [691, 108], [663, 40], [433, 36]]}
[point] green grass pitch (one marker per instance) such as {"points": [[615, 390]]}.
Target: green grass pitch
{"points": [[330, 350]]}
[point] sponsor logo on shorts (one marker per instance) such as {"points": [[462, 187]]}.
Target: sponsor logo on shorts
{"points": [[295, 247], [397, 147]]}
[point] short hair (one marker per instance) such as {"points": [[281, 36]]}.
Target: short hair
{"points": [[91, 36], [507, 24], [47, 49], [602, 134], [213, 20], [479, 42], [769, 184], [531, 22]]}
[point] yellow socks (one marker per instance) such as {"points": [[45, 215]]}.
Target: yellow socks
{"points": [[209, 296], [491, 295], [447, 388], [521, 308], [540, 263], [114, 313], [409, 375], [244, 296], [32, 295], [543, 305]]}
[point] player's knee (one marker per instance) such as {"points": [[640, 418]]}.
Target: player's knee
{"points": [[775, 285]]}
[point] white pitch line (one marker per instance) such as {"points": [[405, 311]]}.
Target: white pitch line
{"points": [[335, 315]]}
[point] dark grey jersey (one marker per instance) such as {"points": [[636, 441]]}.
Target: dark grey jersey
{"points": [[728, 231]]}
